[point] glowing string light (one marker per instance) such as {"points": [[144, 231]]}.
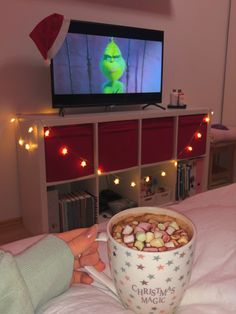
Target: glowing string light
{"points": [[198, 135], [116, 181], [27, 146], [21, 142], [206, 119], [64, 151], [147, 179], [83, 163], [47, 133]]}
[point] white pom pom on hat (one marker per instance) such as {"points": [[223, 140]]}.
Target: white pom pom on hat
{"points": [[49, 34]]}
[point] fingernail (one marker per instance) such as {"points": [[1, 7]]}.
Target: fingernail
{"points": [[91, 232]]}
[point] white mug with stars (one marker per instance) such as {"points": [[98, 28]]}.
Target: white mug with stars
{"points": [[148, 282]]}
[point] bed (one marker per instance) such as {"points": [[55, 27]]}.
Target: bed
{"points": [[212, 288]]}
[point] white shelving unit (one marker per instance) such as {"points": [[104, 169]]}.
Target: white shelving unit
{"points": [[34, 165]]}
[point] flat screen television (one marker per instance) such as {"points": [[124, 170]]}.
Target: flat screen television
{"points": [[106, 65]]}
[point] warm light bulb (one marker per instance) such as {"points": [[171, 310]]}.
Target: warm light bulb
{"points": [[132, 184], [83, 163], [47, 133], [198, 135], [27, 146], [21, 142], [99, 172], [189, 148], [13, 120], [64, 150], [175, 163], [30, 129], [163, 173], [212, 112], [147, 179], [117, 181], [206, 119]]}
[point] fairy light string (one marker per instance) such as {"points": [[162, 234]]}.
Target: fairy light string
{"points": [[65, 149]]}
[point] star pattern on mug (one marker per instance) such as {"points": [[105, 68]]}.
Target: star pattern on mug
{"points": [[167, 270], [128, 253], [160, 267], [156, 258], [140, 266], [144, 283], [177, 268], [168, 279]]}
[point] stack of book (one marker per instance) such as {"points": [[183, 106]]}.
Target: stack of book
{"points": [[77, 210], [190, 176], [70, 211], [186, 179]]}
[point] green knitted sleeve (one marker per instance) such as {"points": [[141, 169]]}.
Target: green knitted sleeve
{"points": [[14, 295], [47, 269]]}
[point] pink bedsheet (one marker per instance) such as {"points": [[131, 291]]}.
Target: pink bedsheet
{"points": [[212, 288]]}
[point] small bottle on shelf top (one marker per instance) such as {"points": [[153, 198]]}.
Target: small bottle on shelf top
{"points": [[173, 97], [180, 97]]}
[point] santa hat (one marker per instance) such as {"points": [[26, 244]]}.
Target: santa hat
{"points": [[49, 34]]}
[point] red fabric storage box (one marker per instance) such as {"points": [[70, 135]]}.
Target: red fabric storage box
{"points": [[78, 139], [187, 129], [157, 140], [117, 145]]}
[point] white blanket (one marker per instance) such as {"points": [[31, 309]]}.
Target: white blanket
{"points": [[212, 288]]}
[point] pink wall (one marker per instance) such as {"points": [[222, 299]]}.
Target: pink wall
{"points": [[229, 108], [195, 40]]}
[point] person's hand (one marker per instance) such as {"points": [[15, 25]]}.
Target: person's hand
{"points": [[85, 250]]}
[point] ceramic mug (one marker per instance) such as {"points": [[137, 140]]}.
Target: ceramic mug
{"points": [[148, 282]]}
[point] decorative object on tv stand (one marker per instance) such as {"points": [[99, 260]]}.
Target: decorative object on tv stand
{"points": [[49, 34], [177, 100]]}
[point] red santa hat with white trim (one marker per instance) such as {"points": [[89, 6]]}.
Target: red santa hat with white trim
{"points": [[49, 34]]}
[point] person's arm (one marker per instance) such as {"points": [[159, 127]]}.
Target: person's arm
{"points": [[14, 294], [47, 268], [51, 265]]}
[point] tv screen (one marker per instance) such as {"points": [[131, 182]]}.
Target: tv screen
{"points": [[102, 65]]}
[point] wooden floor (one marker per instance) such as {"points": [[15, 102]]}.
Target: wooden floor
{"points": [[12, 230]]}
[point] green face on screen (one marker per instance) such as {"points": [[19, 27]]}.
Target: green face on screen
{"points": [[112, 66]]}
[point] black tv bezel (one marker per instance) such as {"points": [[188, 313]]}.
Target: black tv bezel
{"points": [[95, 100]]}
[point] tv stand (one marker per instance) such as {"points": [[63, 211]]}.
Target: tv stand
{"points": [[147, 143], [154, 104]]}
